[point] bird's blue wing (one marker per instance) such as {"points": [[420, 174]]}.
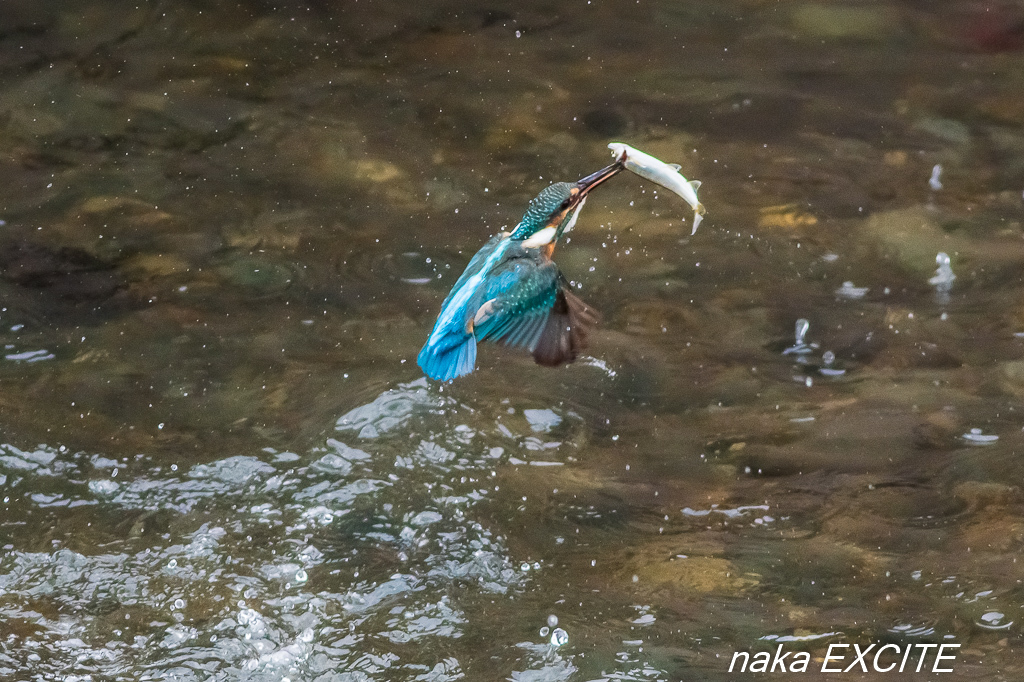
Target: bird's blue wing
{"points": [[528, 304], [475, 263], [450, 351], [518, 302]]}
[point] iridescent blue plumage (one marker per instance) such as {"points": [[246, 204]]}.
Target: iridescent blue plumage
{"points": [[513, 294], [538, 213]]}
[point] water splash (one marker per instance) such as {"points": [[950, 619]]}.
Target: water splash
{"points": [[976, 437], [851, 292], [802, 350], [800, 346], [943, 278], [559, 637]]}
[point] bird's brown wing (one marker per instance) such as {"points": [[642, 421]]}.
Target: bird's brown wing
{"points": [[566, 331]]}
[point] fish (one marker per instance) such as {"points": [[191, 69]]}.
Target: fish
{"points": [[665, 174]]}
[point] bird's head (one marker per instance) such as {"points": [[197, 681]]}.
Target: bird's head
{"points": [[554, 210]]}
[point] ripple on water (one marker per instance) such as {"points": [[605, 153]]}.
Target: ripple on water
{"points": [[391, 409], [37, 461], [30, 356], [994, 620], [542, 421], [249, 552]]}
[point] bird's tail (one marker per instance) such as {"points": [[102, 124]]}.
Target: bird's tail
{"points": [[449, 356]]}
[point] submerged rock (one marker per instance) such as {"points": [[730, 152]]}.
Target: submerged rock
{"points": [[692, 574], [831, 22], [70, 274], [910, 237]]}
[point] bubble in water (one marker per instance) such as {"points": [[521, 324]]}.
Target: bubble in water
{"points": [[519, 34], [552, 620], [828, 368], [544, 631], [301, 576], [525, 566], [934, 182], [559, 637], [179, 603], [173, 563]]}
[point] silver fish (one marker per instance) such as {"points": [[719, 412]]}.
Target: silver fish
{"points": [[665, 174]]}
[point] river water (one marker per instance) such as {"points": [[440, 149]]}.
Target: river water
{"points": [[227, 227]]}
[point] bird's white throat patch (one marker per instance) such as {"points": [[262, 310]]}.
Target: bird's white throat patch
{"points": [[539, 238]]}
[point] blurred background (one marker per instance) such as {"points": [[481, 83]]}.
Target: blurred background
{"points": [[226, 228]]}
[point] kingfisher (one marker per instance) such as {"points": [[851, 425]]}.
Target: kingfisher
{"points": [[512, 293]]}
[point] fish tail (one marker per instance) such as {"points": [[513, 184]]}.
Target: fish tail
{"points": [[697, 217], [448, 357], [699, 209]]}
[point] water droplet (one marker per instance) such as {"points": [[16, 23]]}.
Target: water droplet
{"points": [[300, 576], [552, 620], [525, 566], [802, 325], [544, 631], [179, 603], [828, 357], [559, 637], [173, 563], [519, 34], [800, 347], [943, 279]]}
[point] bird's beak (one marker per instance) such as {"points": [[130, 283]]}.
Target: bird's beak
{"points": [[582, 188], [594, 179]]}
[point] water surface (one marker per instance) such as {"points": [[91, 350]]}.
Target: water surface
{"points": [[227, 228]]}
